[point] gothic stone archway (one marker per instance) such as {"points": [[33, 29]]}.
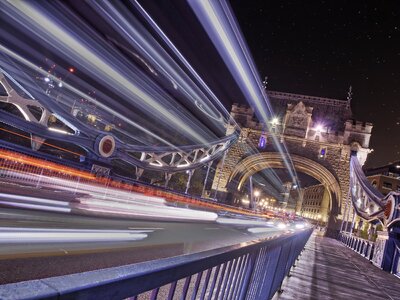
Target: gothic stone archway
{"points": [[258, 162], [312, 129]]}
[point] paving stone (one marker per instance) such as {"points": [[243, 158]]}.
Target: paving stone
{"points": [[329, 270]]}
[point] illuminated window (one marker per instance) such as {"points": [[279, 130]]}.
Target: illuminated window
{"points": [[387, 185], [322, 152], [262, 143]]}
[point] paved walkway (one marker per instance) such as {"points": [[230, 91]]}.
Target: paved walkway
{"points": [[329, 270]]}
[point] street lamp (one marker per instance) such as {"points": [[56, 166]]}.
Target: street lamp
{"points": [[256, 194], [319, 128], [274, 121], [245, 201], [319, 218]]}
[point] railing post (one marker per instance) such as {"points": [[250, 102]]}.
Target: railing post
{"points": [[205, 179], [219, 175], [40, 178], [247, 275], [190, 174], [345, 209], [270, 272], [77, 185]]}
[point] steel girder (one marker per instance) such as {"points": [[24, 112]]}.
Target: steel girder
{"points": [[368, 202], [161, 158]]}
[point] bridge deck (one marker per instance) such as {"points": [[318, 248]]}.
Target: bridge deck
{"points": [[329, 270]]}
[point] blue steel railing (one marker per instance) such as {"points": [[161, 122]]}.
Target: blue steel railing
{"points": [[253, 270], [364, 247], [396, 260]]}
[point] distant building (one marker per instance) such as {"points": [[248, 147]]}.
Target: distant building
{"points": [[294, 201], [385, 178], [315, 203]]}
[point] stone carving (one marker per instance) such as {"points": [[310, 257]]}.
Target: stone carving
{"points": [[297, 119]]}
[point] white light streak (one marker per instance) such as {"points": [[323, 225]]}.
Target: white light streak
{"points": [[58, 130], [24, 235], [220, 25], [231, 221]]}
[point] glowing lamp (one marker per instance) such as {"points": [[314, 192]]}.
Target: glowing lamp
{"points": [[274, 121], [318, 128], [257, 193], [72, 70], [262, 142]]}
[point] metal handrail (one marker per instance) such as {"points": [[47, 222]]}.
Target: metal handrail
{"points": [[253, 270], [362, 246]]}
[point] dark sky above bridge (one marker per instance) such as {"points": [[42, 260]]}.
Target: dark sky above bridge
{"points": [[320, 48], [315, 48]]}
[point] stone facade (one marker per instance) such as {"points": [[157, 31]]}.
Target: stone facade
{"points": [[299, 132], [315, 203]]}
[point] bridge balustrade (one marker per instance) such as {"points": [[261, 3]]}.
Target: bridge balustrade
{"points": [[364, 247], [396, 260], [253, 270]]}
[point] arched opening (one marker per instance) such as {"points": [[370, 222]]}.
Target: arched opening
{"points": [[269, 160]]}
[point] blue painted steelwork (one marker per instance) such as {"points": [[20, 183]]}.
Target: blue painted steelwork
{"points": [[246, 271], [364, 247], [161, 158], [370, 205], [368, 202]]}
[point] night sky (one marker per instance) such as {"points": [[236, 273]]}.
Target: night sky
{"points": [[316, 48], [320, 48]]}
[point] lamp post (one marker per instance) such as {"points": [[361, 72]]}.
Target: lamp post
{"points": [[256, 195], [319, 218]]}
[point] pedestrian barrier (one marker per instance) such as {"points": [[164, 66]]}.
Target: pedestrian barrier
{"points": [[253, 270]]}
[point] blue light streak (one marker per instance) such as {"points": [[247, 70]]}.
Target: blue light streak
{"points": [[221, 26]]}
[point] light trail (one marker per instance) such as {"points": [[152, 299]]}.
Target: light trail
{"points": [[183, 60], [140, 40], [44, 235], [218, 21], [260, 229], [232, 221], [99, 60], [83, 95], [169, 43], [79, 230], [16, 166], [24, 159], [147, 212], [36, 206], [39, 140]]}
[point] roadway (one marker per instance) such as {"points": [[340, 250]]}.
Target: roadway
{"points": [[36, 243]]}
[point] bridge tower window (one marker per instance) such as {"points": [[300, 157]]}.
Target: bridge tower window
{"points": [[387, 185], [262, 142], [322, 152]]}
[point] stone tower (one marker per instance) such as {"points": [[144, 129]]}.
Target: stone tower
{"points": [[318, 134]]}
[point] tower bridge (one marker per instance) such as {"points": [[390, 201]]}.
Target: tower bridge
{"points": [[103, 237], [319, 135]]}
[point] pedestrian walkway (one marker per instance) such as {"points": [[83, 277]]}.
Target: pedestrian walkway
{"points": [[329, 270]]}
